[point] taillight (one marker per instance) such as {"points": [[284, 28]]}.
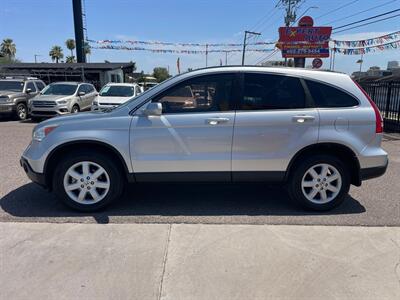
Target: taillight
{"points": [[378, 116]]}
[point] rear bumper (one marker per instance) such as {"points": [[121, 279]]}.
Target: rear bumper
{"points": [[369, 173], [38, 178]]}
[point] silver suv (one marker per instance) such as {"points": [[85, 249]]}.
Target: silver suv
{"points": [[15, 94], [316, 132], [61, 98]]}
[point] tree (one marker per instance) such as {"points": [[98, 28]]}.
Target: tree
{"points": [[70, 43], [8, 48], [70, 59], [86, 48], [160, 74], [56, 53]]}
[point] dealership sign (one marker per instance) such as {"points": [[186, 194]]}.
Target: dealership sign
{"points": [[304, 40]]}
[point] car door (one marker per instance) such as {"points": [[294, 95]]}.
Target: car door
{"points": [[192, 139], [91, 93], [33, 91], [274, 120]]}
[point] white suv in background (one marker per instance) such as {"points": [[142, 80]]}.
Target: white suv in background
{"points": [[114, 94]]}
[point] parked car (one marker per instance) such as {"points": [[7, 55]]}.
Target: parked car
{"points": [[15, 93], [114, 94], [62, 98], [314, 132]]}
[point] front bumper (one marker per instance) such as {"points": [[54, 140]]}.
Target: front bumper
{"points": [[102, 107], [57, 110], [38, 178], [8, 108]]}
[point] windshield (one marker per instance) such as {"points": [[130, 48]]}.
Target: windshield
{"points": [[60, 89], [117, 91], [15, 86]]}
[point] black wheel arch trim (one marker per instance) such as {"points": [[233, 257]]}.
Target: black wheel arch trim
{"points": [[356, 178], [129, 176]]}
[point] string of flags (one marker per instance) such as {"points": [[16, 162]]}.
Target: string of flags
{"points": [[133, 42], [179, 51], [384, 39], [370, 49]]}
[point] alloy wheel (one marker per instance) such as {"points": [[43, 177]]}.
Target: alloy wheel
{"points": [[86, 182], [321, 183]]}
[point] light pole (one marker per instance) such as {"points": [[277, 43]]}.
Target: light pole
{"points": [[36, 55], [244, 42]]}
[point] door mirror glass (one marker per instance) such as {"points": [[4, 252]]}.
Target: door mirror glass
{"points": [[153, 109]]}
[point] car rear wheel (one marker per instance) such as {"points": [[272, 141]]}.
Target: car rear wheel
{"points": [[87, 181], [22, 112], [320, 182]]}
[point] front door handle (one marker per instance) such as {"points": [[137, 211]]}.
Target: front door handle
{"points": [[303, 118], [215, 121]]}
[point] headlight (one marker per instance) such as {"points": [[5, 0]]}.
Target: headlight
{"points": [[41, 133], [62, 101], [5, 99]]}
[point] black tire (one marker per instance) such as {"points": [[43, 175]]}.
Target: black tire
{"points": [[299, 170], [75, 109], [22, 111], [117, 182]]}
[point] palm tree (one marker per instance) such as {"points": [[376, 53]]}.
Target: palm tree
{"points": [[86, 48], [56, 53], [70, 43], [8, 48], [70, 59]]}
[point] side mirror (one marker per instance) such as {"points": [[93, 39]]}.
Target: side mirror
{"points": [[81, 94], [28, 91], [153, 109]]}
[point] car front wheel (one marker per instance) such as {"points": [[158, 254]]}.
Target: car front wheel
{"points": [[87, 181], [320, 182], [22, 112]]}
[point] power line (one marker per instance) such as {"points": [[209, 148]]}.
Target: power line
{"points": [[360, 12], [366, 19], [336, 9], [387, 18]]}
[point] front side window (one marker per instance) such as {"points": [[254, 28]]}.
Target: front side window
{"points": [[40, 85], [14, 86], [31, 86], [117, 91], [60, 89], [201, 94], [264, 91], [327, 96]]}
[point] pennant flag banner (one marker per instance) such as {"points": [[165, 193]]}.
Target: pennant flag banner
{"points": [[369, 42], [371, 49], [180, 51], [102, 42]]}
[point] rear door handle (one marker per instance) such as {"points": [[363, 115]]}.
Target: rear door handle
{"points": [[215, 121], [303, 118]]}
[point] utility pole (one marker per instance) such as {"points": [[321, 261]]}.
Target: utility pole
{"points": [[244, 43], [36, 55], [290, 8], [79, 36], [206, 55]]}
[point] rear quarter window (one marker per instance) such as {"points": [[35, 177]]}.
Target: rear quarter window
{"points": [[328, 96]]}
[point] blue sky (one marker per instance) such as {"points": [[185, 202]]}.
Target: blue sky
{"points": [[36, 25]]}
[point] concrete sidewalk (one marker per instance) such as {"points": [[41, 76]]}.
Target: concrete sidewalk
{"points": [[150, 261]]}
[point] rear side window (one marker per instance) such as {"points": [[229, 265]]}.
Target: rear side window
{"points": [[327, 96], [264, 91]]}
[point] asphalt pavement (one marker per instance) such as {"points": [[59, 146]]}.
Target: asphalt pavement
{"points": [[375, 203]]}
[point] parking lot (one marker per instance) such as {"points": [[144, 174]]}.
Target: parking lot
{"points": [[375, 203]]}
